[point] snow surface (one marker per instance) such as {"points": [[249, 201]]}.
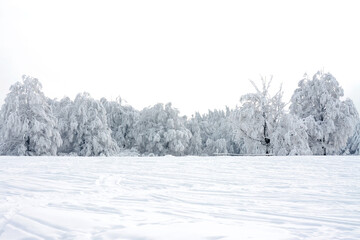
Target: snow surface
{"points": [[180, 198]]}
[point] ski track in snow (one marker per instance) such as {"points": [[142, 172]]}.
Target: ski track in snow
{"points": [[180, 198]]}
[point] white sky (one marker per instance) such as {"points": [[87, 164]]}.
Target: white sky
{"points": [[198, 55]]}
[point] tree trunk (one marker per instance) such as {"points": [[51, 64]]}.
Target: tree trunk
{"points": [[27, 144], [266, 139], [267, 145]]}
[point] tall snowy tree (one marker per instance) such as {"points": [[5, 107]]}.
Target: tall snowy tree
{"points": [[160, 130], [28, 124], [89, 130], [257, 117], [330, 121]]}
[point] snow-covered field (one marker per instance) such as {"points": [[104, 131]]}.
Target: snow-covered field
{"points": [[180, 198]]}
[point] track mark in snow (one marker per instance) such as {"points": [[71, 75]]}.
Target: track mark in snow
{"points": [[27, 230], [45, 223]]}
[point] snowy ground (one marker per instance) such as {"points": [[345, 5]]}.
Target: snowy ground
{"points": [[180, 198]]}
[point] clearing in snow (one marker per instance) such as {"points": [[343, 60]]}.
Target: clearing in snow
{"points": [[180, 198]]}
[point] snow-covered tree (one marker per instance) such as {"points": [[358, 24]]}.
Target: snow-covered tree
{"points": [[329, 120], [353, 146], [257, 118], [290, 137], [89, 133], [216, 147], [63, 112], [195, 142], [121, 120], [160, 130], [217, 133], [28, 124]]}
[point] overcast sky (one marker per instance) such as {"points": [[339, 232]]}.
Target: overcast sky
{"points": [[198, 55]]}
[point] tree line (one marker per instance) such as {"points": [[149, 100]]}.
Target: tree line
{"points": [[317, 122]]}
